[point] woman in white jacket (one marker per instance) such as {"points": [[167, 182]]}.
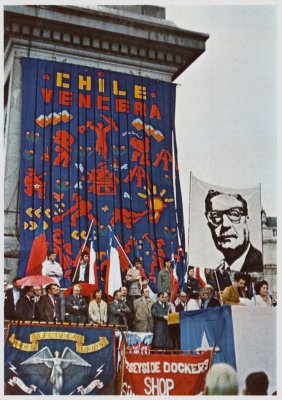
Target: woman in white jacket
{"points": [[97, 310], [261, 297]]}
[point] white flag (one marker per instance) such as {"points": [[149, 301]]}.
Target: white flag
{"points": [[114, 274], [92, 266]]}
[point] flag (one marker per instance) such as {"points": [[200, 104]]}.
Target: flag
{"points": [[200, 276], [92, 265], [239, 335], [38, 251], [113, 273], [124, 260], [174, 282]]}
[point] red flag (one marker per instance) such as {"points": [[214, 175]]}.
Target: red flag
{"points": [[174, 284], [123, 259], [38, 252], [200, 279]]}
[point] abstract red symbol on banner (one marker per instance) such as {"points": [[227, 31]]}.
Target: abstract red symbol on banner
{"points": [[158, 254], [64, 140], [128, 217], [64, 259], [79, 209], [101, 130], [142, 147], [34, 183], [140, 174], [105, 181], [164, 156]]}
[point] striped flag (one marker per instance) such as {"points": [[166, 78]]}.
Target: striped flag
{"points": [[113, 274], [92, 265]]}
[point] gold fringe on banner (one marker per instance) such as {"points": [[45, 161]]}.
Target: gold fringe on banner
{"points": [[79, 339]]}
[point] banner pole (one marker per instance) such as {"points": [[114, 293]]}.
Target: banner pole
{"points": [[219, 291], [84, 244], [189, 220], [120, 245], [122, 363]]}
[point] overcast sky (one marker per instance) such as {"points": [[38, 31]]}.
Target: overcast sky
{"points": [[226, 100]]}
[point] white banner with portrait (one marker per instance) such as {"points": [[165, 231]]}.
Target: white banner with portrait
{"points": [[225, 227]]}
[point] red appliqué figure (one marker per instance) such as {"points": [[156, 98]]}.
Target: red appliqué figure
{"points": [[34, 183], [79, 209], [64, 250], [166, 157], [140, 173], [64, 140], [141, 149], [128, 217], [104, 181], [102, 130]]}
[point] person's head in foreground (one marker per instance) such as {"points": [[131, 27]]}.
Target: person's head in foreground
{"points": [[256, 384], [221, 380]]}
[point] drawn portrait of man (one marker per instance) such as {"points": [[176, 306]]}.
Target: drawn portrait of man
{"points": [[225, 230], [227, 217]]}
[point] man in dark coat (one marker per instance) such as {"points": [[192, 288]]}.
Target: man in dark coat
{"points": [[76, 308], [49, 306], [192, 283], [117, 310], [11, 298], [162, 338], [25, 308], [128, 301], [209, 299]]}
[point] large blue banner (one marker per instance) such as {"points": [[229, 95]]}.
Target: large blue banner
{"points": [[98, 146], [59, 360], [209, 329]]}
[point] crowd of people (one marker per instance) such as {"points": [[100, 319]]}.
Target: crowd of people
{"points": [[132, 306]]}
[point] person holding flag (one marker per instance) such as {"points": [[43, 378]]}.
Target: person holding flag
{"points": [[81, 273]]}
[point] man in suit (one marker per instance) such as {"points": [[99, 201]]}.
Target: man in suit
{"points": [[227, 216], [49, 306], [117, 310], [143, 316], [162, 337], [25, 308], [76, 308], [11, 298], [128, 301], [81, 273], [209, 299], [181, 303]]}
